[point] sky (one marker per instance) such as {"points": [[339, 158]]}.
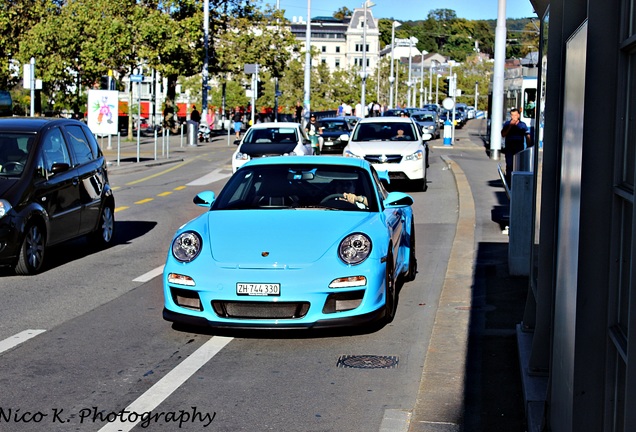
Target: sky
{"points": [[412, 10]]}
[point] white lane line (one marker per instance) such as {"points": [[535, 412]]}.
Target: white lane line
{"points": [[150, 275], [17, 339], [167, 385], [215, 175]]}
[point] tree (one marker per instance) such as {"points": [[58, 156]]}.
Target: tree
{"points": [[343, 13]]}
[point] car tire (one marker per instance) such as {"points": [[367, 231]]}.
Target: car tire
{"points": [[31, 254], [390, 305], [412, 268], [103, 234]]}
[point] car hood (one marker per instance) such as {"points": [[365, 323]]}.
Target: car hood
{"points": [[279, 238], [269, 149], [384, 147]]}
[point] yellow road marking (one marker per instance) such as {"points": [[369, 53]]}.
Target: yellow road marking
{"points": [[162, 194], [178, 188], [121, 208], [144, 201], [161, 173]]}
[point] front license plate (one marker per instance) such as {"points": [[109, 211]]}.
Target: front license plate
{"points": [[258, 289]]}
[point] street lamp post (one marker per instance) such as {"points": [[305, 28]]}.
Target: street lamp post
{"points": [[204, 74], [307, 87], [367, 4], [437, 89], [430, 81], [409, 83], [391, 78]]}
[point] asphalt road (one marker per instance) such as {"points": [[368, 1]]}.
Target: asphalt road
{"points": [[85, 340]]}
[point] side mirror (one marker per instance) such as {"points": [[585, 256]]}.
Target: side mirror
{"points": [[344, 137], [204, 199], [237, 142], [59, 167], [426, 136], [397, 200]]}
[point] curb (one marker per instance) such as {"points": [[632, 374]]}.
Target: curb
{"points": [[440, 401]]}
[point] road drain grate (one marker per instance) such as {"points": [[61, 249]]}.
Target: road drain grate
{"points": [[367, 362]]}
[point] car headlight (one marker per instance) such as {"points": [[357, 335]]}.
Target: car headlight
{"points": [[429, 127], [354, 248], [187, 246], [242, 156], [5, 207], [348, 153], [418, 155]]}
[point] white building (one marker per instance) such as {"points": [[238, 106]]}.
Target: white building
{"points": [[340, 43]]}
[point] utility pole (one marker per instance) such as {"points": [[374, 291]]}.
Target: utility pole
{"points": [[307, 96]]}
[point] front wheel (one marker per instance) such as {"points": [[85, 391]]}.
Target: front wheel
{"points": [[31, 255], [390, 305], [412, 270]]}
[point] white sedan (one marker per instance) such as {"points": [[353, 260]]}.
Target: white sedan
{"points": [[271, 139], [393, 144]]}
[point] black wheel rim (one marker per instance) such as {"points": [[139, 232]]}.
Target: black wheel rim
{"points": [[34, 247]]}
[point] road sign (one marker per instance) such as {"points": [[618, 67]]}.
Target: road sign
{"points": [[136, 78]]}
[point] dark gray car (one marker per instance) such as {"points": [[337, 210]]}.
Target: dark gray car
{"points": [[53, 187]]}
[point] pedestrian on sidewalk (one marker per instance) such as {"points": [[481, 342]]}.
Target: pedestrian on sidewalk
{"points": [[237, 118], [517, 138], [195, 116]]}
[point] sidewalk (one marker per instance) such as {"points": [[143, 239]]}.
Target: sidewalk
{"points": [[471, 379]]}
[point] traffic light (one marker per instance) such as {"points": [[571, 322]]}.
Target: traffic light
{"points": [[446, 86], [103, 82], [260, 89]]}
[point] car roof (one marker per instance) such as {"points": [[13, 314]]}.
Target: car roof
{"points": [[314, 160], [388, 119], [275, 125], [31, 124], [342, 119]]}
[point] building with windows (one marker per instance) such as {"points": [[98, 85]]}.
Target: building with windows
{"points": [[342, 43], [579, 330]]}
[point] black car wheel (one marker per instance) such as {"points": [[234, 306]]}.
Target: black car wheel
{"points": [[390, 305], [412, 270], [103, 235], [31, 255]]}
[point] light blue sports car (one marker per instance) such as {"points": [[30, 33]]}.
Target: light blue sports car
{"points": [[293, 242]]}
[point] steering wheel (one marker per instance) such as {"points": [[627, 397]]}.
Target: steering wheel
{"points": [[332, 197], [12, 166]]}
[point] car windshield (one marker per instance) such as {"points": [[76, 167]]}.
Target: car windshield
{"points": [[333, 125], [298, 187], [14, 150], [271, 135], [381, 131]]}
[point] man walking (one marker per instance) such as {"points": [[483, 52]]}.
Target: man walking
{"points": [[517, 137]]}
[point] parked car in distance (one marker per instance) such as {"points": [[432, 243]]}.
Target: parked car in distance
{"points": [[393, 144], [271, 139], [428, 121], [53, 187], [331, 131], [357, 240]]}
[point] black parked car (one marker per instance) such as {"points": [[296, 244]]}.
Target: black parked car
{"points": [[331, 129], [53, 187]]}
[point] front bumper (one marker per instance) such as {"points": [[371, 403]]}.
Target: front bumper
{"points": [[305, 300]]}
